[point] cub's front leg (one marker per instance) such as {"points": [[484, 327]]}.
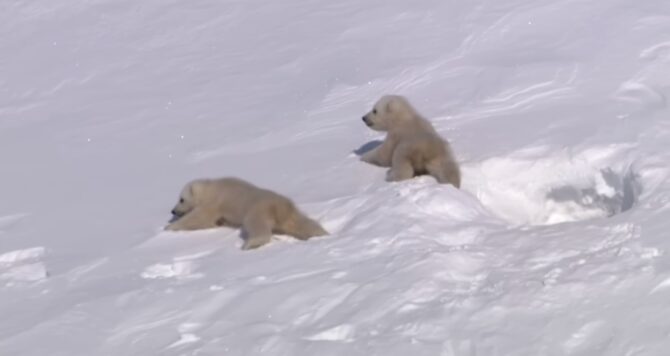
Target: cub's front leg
{"points": [[257, 228], [380, 155], [401, 165], [196, 219]]}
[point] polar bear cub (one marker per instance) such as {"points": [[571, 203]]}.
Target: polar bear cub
{"points": [[208, 203], [412, 146]]}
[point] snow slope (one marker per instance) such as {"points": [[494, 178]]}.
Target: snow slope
{"points": [[556, 245]]}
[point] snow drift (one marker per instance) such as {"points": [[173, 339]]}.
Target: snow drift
{"points": [[556, 245]]}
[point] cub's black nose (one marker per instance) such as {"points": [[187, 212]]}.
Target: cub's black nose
{"points": [[365, 119], [173, 212]]}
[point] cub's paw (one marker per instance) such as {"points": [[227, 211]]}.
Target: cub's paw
{"points": [[252, 244]]}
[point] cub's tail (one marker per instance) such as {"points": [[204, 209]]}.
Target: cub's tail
{"points": [[304, 227]]}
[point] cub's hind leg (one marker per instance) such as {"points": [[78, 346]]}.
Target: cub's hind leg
{"points": [[257, 228], [445, 172]]}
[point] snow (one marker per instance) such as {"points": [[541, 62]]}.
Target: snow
{"points": [[556, 245], [17, 265]]}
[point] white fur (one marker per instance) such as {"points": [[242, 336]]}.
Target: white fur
{"points": [[412, 146], [208, 203]]}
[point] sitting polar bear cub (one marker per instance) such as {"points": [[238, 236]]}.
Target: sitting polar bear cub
{"points": [[412, 146], [208, 203]]}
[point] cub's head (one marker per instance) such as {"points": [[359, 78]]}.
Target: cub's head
{"points": [[189, 198], [388, 112]]}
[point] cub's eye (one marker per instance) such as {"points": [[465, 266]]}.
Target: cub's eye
{"points": [[374, 111], [181, 200]]}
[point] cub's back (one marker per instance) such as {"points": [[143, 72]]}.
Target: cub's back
{"points": [[243, 193]]}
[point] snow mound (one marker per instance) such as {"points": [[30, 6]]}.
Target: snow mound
{"points": [[22, 266], [533, 187], [557, 243]]}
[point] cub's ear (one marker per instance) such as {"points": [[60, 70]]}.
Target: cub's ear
{"points": [[196, 187], [389, 106], [393, 103], [398, 103]]}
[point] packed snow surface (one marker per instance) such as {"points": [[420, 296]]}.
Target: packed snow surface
{"points": [[557, 243]]}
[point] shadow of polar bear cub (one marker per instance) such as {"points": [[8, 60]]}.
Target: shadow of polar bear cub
{"points": [[412, 147], [208, 203]]}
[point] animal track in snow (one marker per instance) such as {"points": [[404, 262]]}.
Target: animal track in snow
{"points": [[658, 50], [643, 94], [187, 335], [23, 265], [176, 269], [181, 267], [592, 332], [10, 220], [342, 333], [665, 284]]}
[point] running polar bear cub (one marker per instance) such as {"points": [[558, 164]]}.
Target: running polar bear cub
{"points": [[208, 203], [412, 146]]}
